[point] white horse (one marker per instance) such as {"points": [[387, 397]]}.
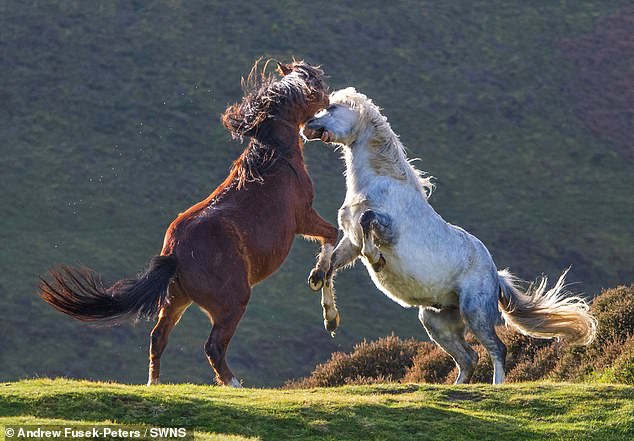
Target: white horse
{"points": [[418, 259]]}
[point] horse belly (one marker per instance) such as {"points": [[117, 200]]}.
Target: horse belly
{"points": [[410, 284], [266, 260]]}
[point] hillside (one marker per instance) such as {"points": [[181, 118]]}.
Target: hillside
{"points": [[109, 128], [531, 411]]}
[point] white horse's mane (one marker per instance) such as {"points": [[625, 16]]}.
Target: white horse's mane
{"points": [[389, 154]]}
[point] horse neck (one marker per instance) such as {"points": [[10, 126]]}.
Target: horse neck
{"points": [[372, 156], [281, 136], [359, 173]]}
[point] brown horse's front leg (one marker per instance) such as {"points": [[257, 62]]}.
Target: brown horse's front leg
{"points": [[315, 227]]}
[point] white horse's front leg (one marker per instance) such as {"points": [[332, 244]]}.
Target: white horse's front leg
{"points": [[317, 276], [329, 305], [344, 253], [373, 254], [376, 228], [330, 261]]}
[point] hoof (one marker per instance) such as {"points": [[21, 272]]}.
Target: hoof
{"points": [[332, 325], [316, 280], [234, 383], [380, 264]]}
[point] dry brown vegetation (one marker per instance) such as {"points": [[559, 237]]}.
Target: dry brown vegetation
{"points": [[391, 359]]}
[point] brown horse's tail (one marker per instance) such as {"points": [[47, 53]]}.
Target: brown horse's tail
{"points": [[81, 294], [543, 313]]}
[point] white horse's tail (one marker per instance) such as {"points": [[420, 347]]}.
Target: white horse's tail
{"points": [[545, 313]]}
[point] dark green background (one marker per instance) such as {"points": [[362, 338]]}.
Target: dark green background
{"points": [[109, 127]]}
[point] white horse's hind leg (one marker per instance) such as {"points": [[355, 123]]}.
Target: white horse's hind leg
{"points": [[479, 310], [447, 329]]}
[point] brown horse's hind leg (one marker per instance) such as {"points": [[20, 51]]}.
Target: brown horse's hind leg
{"points": [[169, 316], [225, 320]]}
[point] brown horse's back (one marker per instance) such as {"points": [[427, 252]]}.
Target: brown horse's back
{"points": [[204, 237]]}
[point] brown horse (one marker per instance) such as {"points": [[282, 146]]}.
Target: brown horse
{"points": [[214, 252]]}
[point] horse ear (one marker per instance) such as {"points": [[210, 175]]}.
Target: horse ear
{"points": [[284, 69]]}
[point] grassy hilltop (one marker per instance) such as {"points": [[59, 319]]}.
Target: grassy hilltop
{"points": [[531, 411], [109, 127]]}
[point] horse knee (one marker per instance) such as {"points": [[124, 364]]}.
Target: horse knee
{"points": [[380, 225], [368, 217], [155, 337], [494, 346], [158, 341]]}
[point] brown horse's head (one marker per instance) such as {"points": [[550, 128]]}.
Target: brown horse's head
{"points": [[293, 98]]}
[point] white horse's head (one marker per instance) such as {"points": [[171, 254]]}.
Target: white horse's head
{"points": [[348, 115], [354, 121]]}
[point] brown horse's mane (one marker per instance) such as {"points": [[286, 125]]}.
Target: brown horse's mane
{"points": [[254, 162], [268, 98]]}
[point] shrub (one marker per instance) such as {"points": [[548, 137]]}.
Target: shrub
{"points": [[385, 360], [539, 366], [610, 356], [614, 310], [623, 367], [430, 365]]}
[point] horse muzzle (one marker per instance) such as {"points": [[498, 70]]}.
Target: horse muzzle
{"points": [[312, 131]]}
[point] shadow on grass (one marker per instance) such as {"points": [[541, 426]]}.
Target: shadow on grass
{"points": [[294, 420]]}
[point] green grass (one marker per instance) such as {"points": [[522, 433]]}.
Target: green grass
{"points": [[109, 128], [531, 411]]}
